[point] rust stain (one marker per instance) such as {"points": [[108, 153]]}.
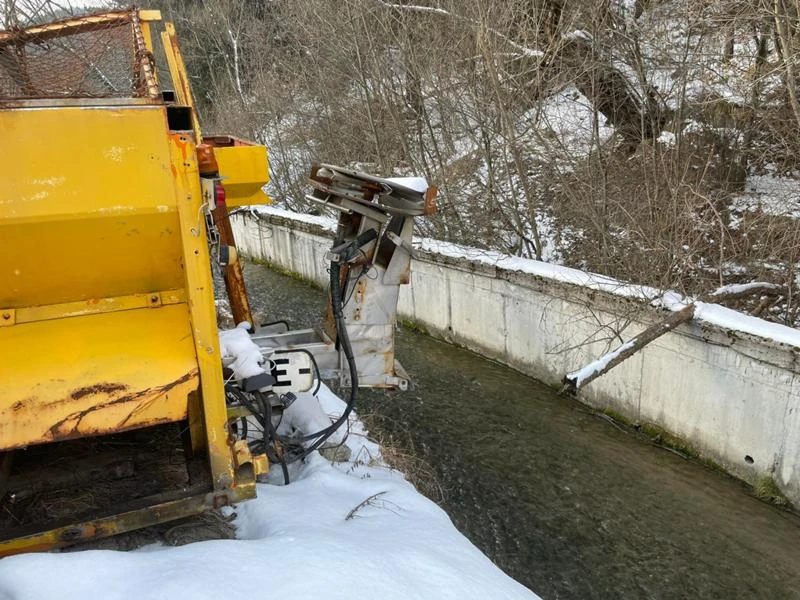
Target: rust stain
{"points": [[68, 427], [98, 388]]}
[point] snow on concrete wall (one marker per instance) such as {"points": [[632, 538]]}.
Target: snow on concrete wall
{"points": [[733, 396]]}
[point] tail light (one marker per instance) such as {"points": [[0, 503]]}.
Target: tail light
{"points": [[219, 194]]}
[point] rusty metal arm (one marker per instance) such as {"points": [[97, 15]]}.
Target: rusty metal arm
{"points": [[49, 31]]}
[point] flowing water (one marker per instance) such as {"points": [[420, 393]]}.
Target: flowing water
{"points": [[564, 501]]}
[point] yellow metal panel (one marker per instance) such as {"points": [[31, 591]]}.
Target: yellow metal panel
{"points": [[81, 259], [149, 15], [89, 307], [94, 374], [244, 171], [87, 205], [200, 290], [76, 161]]}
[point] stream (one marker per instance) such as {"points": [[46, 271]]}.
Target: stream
{"points": [[566, 502]]}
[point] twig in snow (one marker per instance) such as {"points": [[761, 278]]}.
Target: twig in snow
{"points": [[367, 502]]}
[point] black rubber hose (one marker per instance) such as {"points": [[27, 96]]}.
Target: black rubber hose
{"points": [[344, 341], [270, 435], [263, 414]]}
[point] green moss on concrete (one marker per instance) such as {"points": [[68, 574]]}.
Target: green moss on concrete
{"points": [[619, 418], [662, 437], [287, 272], [766, 489], [414, 326]]}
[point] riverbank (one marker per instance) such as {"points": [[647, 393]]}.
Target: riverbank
{"points": [[560, 499], [726, 388]]}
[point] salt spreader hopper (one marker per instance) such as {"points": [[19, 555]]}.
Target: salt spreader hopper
{"points": [[114, 413]]}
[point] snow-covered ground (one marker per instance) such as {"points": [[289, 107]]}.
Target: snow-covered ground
{"points": [[348, 530]]}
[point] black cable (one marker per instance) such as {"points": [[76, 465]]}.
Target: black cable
{"points": [[343, 340], [342, 337], [270, 435], [263, 414]]}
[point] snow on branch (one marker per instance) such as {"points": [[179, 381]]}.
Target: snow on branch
{"points": [[524, 50], [682, 313], [736, 290], [577, 379]]}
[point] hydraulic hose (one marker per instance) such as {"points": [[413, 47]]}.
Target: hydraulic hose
{"points": [[344, 342], [270, 435], [263, 413]]}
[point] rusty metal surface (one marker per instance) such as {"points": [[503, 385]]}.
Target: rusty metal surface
{"points": [[232, 273], [110, 350], [101, 55], [70, 426], [68, 26], [94, 374], [92, 410], [95, 487], [141, 513]]}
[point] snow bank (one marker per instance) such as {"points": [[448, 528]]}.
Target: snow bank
{"points": [[712, 314], [294, 542]]}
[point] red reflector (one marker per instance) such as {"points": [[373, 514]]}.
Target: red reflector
{"points": [[219, 193]]}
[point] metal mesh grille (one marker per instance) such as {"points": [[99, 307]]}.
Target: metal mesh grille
{"points": [[97, 56]]}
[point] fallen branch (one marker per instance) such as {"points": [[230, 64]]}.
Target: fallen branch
{"points": [[365, 502], [576, 380]]}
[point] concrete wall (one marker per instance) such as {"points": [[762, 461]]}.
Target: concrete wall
{"points": [[732, 397]]}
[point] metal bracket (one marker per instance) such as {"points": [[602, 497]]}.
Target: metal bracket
{"points": [[8, 317]]}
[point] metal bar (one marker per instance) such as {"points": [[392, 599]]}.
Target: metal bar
{"points": [[180, 79], [31, 314], [70, 26], [148, 511], [327, 204], [97, 102], [147, 38], [200, 289], [232, 273], [143, 61]]}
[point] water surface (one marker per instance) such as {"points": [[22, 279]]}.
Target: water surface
{"points": [[563, 501]]}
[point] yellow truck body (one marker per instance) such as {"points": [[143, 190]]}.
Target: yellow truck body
{"points": [[107, 315]]}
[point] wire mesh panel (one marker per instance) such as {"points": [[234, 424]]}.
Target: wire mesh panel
{"points": [[96, 56]]}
